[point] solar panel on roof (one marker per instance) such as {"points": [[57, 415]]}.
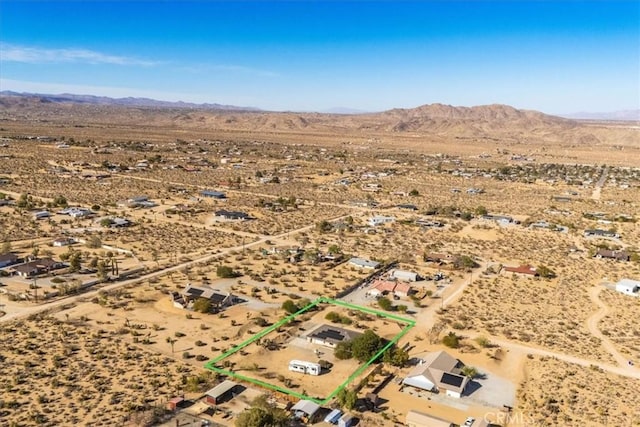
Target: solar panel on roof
{"points": [[331, 334], [452, 379], [195, 292], [217, 298]]}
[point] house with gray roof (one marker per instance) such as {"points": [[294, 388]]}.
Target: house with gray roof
{"points": [[438, 372], [331, 336]]}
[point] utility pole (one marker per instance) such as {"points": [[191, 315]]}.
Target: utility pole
{"points": [[35, 287]]}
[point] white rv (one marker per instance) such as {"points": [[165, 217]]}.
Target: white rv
{"points": [[305, 367]]}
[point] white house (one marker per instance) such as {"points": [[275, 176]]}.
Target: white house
{"points": [[63, 241], [305, 367], [374, 221], [628, 287]]}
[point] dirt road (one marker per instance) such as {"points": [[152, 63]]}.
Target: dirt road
{"points": [[29, 310], [592, 325]]}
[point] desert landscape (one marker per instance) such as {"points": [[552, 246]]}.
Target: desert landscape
{"points": [[146, 211]]}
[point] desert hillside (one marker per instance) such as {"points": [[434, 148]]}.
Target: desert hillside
{"points": [[488, 122]]}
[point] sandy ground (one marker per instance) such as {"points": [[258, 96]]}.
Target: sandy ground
{"points": [[561, 317]]}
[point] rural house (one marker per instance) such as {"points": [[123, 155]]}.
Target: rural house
{"points": [[609, 254], [36, 267], [522, 270], [192, 293], [601, 233], [232, 215], [212, 194], [439, 372], [63, 241], [8, 259], [364, 263], [330, 336], [377, 220]]}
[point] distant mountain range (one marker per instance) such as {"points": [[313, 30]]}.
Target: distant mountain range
{"points": [[129, 101], [433, 122], [624, 115]]}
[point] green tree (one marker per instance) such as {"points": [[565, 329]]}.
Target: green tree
{"points": [[262, 414], [414, 193], [385, 303], [75, 261], [347, 398], [365, 346], [290, 307], [312, 255], [324, 226], [105, 222], [202, 305], [343, 350], [396, 357], [464, 262]]}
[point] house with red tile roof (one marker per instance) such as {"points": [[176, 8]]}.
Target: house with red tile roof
{"points": [[522, 270]]}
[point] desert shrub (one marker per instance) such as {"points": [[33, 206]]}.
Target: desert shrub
{"points": [[202, 305], [451, 340], [226, 272]]}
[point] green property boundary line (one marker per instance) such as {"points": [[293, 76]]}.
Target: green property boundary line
{"points": [[211, 365]]}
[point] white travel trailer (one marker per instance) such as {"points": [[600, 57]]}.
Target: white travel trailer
{"points": [[305, 367]]}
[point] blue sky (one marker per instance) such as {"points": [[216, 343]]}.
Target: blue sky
{"points": [[552, 56]]}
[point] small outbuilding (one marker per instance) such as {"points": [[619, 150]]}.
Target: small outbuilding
{"points": [[175, 403], [220, 393], [364, 263], [305, 409], [346, 421], [333, 416], [407, 276], [628, 287], [213, 194]]}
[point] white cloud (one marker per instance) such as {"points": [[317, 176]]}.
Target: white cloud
{"points": [[35, 55]]}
